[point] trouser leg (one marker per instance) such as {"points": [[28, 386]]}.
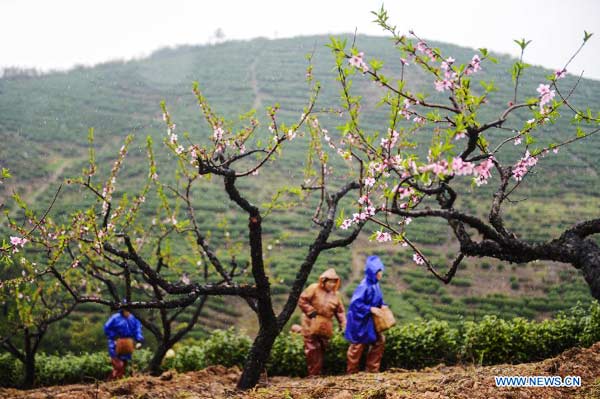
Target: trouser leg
{"points": [[314, 350], [118, 370], [353, 357], [375, 354]]}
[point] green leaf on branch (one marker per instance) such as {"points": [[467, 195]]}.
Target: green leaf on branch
{"points": [[522, 43], [529, 139], [340, 219], [586, 36], [488, 86], [376, 64]]}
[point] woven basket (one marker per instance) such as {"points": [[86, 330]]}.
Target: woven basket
{"points": [[124, 346], [383, 318]]}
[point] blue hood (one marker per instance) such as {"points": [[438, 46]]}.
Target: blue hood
{"points": [[372, 266]]}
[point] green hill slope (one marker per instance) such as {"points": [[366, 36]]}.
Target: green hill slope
{"points": [[44, 123]]}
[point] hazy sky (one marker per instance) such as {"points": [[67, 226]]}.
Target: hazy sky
{"points": [[61, 33]]}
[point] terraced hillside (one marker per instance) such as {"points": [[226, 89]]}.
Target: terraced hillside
{"points": [[44, 123]]}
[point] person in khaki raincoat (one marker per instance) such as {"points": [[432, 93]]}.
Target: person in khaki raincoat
{"points": [[320, 302]]}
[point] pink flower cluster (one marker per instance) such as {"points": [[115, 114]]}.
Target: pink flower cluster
{"points": [[561, 73], [474, 65], [441, 85], [438, 168], [383, 236], [390, 142], [521, 167], [481, 172], [358, 62], [404, 192], [218, 133], [418, 259], [18, 242], [422, 47], [449, 76], [545, 94], [460, 135], [404, 111], [367, 211]]}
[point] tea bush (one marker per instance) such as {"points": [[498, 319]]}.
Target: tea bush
{"points": [[411, 346]]}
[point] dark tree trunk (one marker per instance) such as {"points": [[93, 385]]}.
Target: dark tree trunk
{"points": [[29, 370], [155, 363], [257, 359], [29, 361], [589, 263]]}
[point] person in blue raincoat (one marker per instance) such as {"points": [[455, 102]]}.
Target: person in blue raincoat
{"points": [[121, 325], [360, 329]]}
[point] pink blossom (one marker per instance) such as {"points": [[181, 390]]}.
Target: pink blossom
{"points": [[483, 171], [346, 224], [369, 181], [218, 133], [521, 167], [392, 140], [474, 65], [545, 94], [383, 236], [517, 140], [440, 167], [364, 200], [429, 52], [447, 63], [18, 241], [555, 150], [418, 259], [404, 62], [461, 168], [358, 62], [370, 211], [450, 75], [404, 111], [460, 135], [421, 46], [561, 73], [419, 119], [441, 85], [404, 192]]}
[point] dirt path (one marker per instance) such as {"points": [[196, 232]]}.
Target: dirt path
{"points": [[440, 382], [257, 104], [34, 190]]}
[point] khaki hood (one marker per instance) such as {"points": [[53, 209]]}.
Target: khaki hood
{"points": [[330, 274]]}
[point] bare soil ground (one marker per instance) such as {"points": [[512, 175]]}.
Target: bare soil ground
{"points": [[463, 381]]}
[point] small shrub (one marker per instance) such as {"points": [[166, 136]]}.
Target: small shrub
{"points": [[227, 348]]}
